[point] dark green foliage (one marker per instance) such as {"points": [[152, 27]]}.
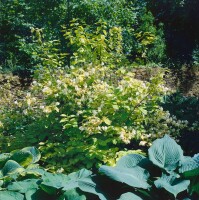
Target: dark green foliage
{"points": [[180, 18], [17, 18], [185, 108]]}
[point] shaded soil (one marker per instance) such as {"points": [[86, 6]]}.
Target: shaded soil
{"points": [[185, 80]]}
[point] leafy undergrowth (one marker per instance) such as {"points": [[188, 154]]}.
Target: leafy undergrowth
{"points": [[165, 174]]}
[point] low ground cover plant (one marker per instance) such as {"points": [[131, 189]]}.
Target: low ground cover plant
{"points": [[166, 173]]}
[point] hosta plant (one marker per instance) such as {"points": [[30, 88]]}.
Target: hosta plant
{"points": [[22, 179], [165, 174]]}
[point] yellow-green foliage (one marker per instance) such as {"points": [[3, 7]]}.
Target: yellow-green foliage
{"points": [[80, 117], [102, 46]]}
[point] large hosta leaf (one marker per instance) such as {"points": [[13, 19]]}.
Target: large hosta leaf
{"points": [[35, 153], [189, 167], [24, 158], [166, 153], [130, 196], [10, 167], [135, 177], [8, 195], [72, 195], [82, 179], [75, 177], [29, 187], [172, 184], [52, 182], [130, 160], [24, 186]]}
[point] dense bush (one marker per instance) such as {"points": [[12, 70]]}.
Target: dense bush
{"points": [[143, 42], [86, 114], [162, 175], [90, 109]]}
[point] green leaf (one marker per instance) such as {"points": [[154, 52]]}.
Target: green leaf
{"points": [[106, 120], [116, 107], [72, 195], [24, 158], [165, 153], [76, 176], [130, 196], [143, 110], [35, 153], [135, 177], [194, 187], [8, 195], [11, 166], [132, 160], [34, 194], [30, 193], [82, 179], [23, 186], [52, 182], [196, 158], [172, 184], [189, 167]]}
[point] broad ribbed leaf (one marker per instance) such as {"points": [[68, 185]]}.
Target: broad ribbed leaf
{"points": [[35, 153], [10, 167], [196, 157], [52, 182], [75, 177], [72, 195], [130, 196], [165, 153], [82, 179], [23, 186], [24, 158], [130, 160], [135, 177], [172, 184], [189, 167], [8, 195]]}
